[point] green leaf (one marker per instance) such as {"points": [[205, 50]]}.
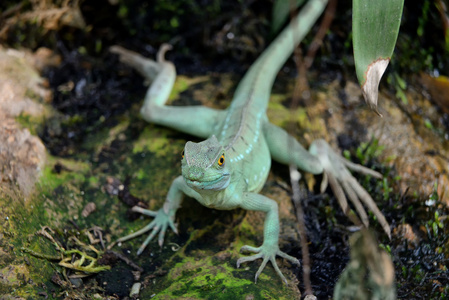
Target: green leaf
{"points": [[281, 9], [435, 228], [375, 29]]}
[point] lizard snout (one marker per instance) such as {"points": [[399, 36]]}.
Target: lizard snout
{"points": [[194, 173]]}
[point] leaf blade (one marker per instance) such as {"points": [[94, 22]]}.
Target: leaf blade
{"points": [[375, 30]]}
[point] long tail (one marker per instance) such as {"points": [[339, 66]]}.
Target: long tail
{"points": [[259, 79]]}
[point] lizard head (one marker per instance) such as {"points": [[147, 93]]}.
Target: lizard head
{"points": [[204, 165]]}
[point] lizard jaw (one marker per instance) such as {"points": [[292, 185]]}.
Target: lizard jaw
{"points": [[220, 183]]}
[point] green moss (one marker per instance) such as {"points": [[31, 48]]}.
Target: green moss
{"points": [[183, 83], [58, 197], [24, 219], [92, 142], [277, 112], [152, 139], [73, 120], [52, 180], [93, 181], [210, 278], [33, 124], [281, 115], [246, 232]]}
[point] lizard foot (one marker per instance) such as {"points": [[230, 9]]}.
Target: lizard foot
{"points": [[160, 223], [336, 173], [267, 253]]}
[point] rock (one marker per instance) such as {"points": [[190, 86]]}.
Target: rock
{"points": [[22, 89], [22, 156], [14, 275], [410, 134], [22, 93], [409, 145], [10, 297], [405, 231], [370, 272], [438, 88]]}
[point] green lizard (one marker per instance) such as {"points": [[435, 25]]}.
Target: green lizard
{"points": [[228, 169]]}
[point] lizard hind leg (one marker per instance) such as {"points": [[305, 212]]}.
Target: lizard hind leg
{"points": [[322, 159], [195, 120], [341, 181]]}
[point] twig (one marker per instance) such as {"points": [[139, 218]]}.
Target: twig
{"points": [[301, 89], [294, 177], [126, 260], [41, 255], [442, 9], [12, 10], [319, 36]]}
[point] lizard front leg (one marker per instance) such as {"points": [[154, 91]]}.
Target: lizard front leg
{"points": [[322, 159], [164, 217], [270, 247]]}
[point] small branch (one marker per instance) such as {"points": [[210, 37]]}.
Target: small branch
{"points": [[301, 90], [126, 260], [306, 270], [319, 36], [41, 255], [442, 9]]}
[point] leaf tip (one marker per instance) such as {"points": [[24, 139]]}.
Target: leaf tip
{"points": [[370, 88]]}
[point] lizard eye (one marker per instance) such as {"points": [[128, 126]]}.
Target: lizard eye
{"points": [[221, 160], [182, 154]]}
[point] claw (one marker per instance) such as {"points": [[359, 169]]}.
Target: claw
{"points": [[248, 258], [359, 168], [278, 271], [369, 202], [160, 241], [147, 241], [356, 202], [342, 182], [247, 248], [137, 233], [263, 265], [267, 253], [324, 183], [158, 225], [292, 259], [338, 192], [143, 211], [173, 226], [141, 249]]}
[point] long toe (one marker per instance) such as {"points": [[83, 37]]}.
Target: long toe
{"points": [[289, 258], [247, 248], [245, 259], [262, 266], [278, 271]]}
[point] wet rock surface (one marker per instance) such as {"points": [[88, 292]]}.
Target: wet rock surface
{"points": [[22, 156], [414, 136], [22, 94]]}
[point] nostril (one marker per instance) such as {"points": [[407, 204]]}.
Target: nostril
{"points": [[196, 173]]}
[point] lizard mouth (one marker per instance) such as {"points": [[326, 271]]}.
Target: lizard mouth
{"points": [[214, 184]]}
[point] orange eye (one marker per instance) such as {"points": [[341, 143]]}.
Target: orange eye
{"points": [[182, 154], [221, 160]]}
